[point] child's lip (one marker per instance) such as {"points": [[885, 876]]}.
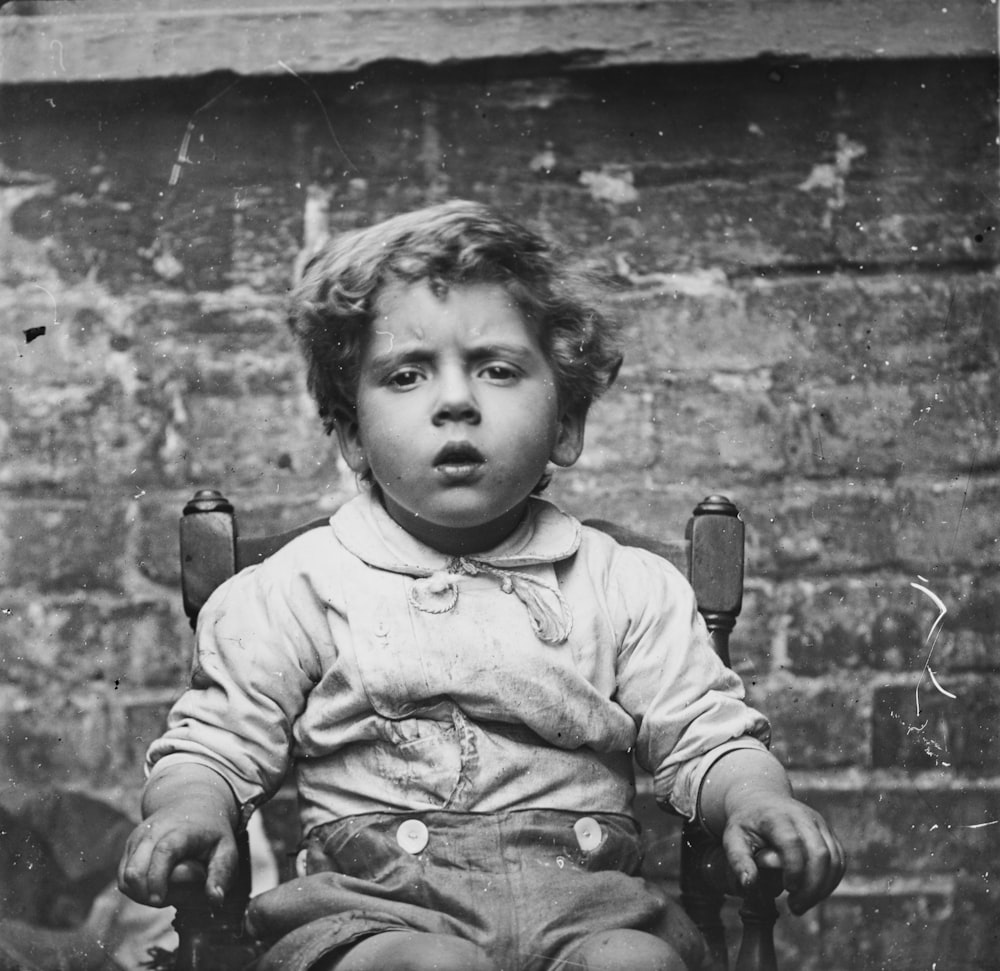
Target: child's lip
{"points": [[459, 455]]}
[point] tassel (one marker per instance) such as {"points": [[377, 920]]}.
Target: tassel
{"points": [[551, 618], [550, 615]]}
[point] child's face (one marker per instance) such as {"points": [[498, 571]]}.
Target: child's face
{"points": [[457, 414]]}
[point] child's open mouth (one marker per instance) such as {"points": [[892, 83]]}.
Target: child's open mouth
{"points": [[459, 461]]}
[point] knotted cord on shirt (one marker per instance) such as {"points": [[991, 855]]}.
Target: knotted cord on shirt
{"points": [[549, 613]]}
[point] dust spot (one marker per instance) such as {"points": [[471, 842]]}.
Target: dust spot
{"points": [[831, 177], [612, 183]]}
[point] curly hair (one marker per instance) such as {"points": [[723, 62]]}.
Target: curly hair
{"points": [[448, 245]]}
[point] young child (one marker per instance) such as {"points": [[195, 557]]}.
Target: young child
{"points": [[457, 672]]}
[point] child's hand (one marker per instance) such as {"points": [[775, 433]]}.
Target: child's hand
{"points": [[769, 829], [190, 816], [746, 796], [166, 839]]}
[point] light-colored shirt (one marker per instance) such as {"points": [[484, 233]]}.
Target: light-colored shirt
{"points": [[392, 677]]}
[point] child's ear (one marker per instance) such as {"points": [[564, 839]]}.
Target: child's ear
{"points": [[569, 442], [349, 439]]}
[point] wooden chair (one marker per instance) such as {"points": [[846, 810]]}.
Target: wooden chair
{"points": [[711, 554]]}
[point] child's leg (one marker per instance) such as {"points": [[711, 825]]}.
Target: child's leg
{"points": [[406, 951], [624, 950]]}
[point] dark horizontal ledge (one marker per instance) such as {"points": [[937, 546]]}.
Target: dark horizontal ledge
{"points": [[178, 38]]}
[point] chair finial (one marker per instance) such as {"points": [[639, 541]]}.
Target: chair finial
{"points": [[207, 500]]}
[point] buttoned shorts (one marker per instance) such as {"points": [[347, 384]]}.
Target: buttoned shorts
{"points": [[525, 886]]}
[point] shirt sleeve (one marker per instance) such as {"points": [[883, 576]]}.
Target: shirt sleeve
{"points": [[256, 660], [688, 706]]}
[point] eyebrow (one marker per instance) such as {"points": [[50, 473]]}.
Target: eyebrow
{"points": [[418, 353]]}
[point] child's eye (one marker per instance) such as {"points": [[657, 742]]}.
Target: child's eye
{"points": [[404, 378], [498, 372]]}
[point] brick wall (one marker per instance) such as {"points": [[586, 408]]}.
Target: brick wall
{"points": [[805, 258]]}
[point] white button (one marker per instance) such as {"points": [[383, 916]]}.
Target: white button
{"points": [[412, 835], [588, 833]]}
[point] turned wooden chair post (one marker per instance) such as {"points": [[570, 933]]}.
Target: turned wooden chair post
{"points": [[716, 570], [211, 935], [759, 913]]}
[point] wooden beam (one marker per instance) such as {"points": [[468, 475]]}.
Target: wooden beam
{"points": [[176, 38]]}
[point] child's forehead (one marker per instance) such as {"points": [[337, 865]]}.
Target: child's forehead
{"points": [[472, 319], [424, 291], [416, 307]]}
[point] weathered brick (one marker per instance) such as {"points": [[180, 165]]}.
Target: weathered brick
{"points": [[122, 644], [64, 544], [157, 545], [816, 722], [727, 188], [754, 645], [81, 327], [865, 525], [918, 726], [838, 529], [865, 927], [697, 321], [949, 522], [894, 327], [726, 425], [656, 505], [622, 433], [744, 422], [73, 436], [866, 430], [910, 824], [207, 335], [139, 718], [56, 740], [973, 937], [80, 409], [267, 441], [884, 621], [818, 398]]}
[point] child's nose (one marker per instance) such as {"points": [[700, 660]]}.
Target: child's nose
{"points": [[456, 401]]}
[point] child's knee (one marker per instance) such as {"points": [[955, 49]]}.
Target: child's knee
{"points": [[448, 954], [627, 950], [403, 951]]}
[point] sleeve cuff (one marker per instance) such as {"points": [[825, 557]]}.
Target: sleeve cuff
{"points": [[248, 797], [685, 797]]}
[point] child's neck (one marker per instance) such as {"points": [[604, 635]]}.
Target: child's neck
{"points": [[456, 540]]}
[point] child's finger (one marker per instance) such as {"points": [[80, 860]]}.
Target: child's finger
{"points": [[740, 853], [130, 875], [768, 858], [166, 854], [221, 869], [828, 867], [135, 866], [822, 867]]}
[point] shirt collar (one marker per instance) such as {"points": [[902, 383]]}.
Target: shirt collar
{"points": [[364, 528]]}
